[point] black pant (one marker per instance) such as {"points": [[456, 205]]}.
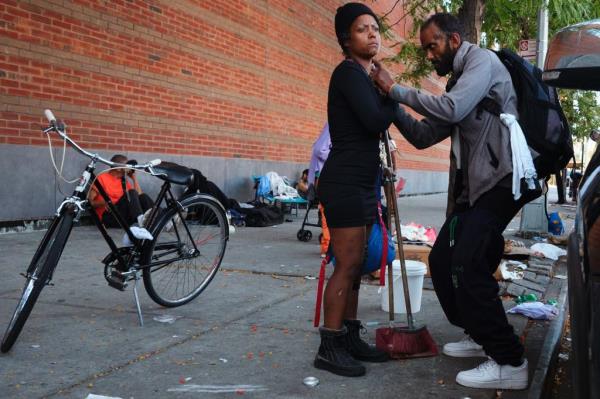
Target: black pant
{"points": [[129, 208], [462, 262]]}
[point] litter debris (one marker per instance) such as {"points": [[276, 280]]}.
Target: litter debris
{"points": [[555, 224], [311, 381], [418, 232], [516, 248], [166, 318], [183, 380], [552, 302], [35, 346], [548, 250], [223, 360], [558, 240], [563, 356], [535, 310], [560, 276], [238, 389], [310, 277], [510, 270], [526, 298]]}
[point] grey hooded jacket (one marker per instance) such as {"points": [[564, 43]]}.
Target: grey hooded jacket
{"points": [[483, 152]]}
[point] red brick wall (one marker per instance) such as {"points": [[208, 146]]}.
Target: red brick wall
{"points": [[228, 78]]}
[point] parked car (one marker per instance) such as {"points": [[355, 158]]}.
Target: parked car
{"points": [[573, 61]]}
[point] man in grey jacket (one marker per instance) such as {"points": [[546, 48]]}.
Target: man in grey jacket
{"points": [[480, 201]]}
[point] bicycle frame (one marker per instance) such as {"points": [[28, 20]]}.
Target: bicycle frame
{"points": [[79, 202]]}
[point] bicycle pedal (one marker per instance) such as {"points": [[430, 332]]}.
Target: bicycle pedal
{"points": [[116, 280]]}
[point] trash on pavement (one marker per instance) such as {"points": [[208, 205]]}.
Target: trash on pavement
{"points": [[526, 298], [548, 250], [555, 224], [510, 270], [311, 381], [166, 318], [418, 232], [535, 310]]}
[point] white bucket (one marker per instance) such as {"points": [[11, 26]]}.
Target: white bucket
{"points": [[415, 271]]}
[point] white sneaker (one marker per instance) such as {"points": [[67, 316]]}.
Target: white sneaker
{"points": [[491, 375], [466, 347], [143, 219], [139, 233], [170, 226]]}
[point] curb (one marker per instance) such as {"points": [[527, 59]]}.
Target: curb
{"points": [[549, 350]]}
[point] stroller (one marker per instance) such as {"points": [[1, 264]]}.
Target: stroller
{"points": [[304, 234]]}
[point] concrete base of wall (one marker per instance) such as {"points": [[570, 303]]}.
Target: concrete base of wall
{"points": [[30, 189]]}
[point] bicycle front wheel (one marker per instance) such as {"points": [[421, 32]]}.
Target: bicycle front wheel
{"points": [[185, 254], [38, 273]]}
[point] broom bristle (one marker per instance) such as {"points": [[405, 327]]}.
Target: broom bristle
{"points": [[403, 343]]}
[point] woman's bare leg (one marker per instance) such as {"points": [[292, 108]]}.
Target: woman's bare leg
{"points": [[340, 301], [352, 301]]}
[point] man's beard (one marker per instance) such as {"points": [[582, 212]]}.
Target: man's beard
{"points": [[444, 65]]}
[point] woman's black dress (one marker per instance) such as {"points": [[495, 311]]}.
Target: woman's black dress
{"points": [[357, 115]]}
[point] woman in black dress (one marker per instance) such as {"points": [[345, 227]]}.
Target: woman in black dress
{"points": [[357, 116]]}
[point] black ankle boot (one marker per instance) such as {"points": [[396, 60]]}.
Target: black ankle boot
{"points": [[359, 349], [334, 357]]}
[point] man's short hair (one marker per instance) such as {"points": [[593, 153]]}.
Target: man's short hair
{"points": [[447, 23], [118, 158]]}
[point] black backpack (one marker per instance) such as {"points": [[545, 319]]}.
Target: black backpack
{"points": [[540, 115]]}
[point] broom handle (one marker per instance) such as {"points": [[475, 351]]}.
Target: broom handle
{"points": [[392, 207]]}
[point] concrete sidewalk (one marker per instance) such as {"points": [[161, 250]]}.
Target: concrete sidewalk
{"points": [[250, 333]]}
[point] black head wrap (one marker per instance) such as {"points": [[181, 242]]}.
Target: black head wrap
{"points": [[344, 17]]}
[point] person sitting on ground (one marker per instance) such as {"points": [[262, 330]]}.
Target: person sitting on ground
{"points": [[128, 198], [302, 186]]}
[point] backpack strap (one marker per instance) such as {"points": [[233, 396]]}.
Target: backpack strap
{"points": [[490, 105]]}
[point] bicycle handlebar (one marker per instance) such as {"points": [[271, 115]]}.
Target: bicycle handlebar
{"points": [[59, 128]]}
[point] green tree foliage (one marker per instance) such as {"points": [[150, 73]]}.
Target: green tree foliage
{"points": [[504, 23], [582, 111]]}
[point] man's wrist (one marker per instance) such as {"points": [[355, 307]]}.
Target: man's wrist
{"points": [[397, 92]]}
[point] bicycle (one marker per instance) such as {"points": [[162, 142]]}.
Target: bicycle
{"points": [[189, 237]]}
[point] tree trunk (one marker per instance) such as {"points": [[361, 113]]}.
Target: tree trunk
{"points": [[471, 15]]}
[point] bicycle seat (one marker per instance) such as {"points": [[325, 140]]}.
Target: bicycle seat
{"points": [[174, 173]]}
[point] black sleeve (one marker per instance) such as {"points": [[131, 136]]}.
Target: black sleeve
{"points": [[421, 134], [356, 87]]}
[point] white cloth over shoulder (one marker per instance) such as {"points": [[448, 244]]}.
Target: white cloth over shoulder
{"points": [[521, 156]]}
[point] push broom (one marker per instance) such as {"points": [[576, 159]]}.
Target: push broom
{"points": [[410, 341]]}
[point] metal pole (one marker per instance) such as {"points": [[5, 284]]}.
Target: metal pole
{"points": [[542, 39]]}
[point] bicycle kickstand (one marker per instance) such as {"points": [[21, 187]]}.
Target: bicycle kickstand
{"points": [[137, 299]]}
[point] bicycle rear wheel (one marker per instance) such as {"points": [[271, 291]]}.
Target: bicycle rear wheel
{"points": [[186, 254], [39, 271]]}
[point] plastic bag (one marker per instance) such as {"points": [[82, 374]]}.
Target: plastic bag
{"points": [[535, 310], [555, 224], [375, 251], [548, 250]]}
